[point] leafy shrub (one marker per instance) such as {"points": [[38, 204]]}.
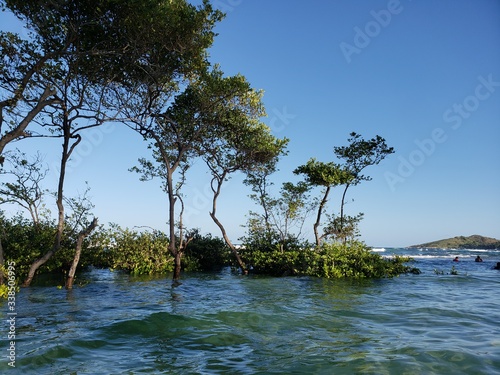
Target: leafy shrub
{"points": [[354, 260], [273, 262], [140, 253], [336, 260], [23, 242], [93, 251], [206, 253]]}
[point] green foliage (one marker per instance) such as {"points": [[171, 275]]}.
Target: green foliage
{"points": [[275, 262], [139, 253], [4, 290], [206, 253], [259, 237], [354, 260], [97, 251], [24, 242], [266, 239], [337, 260], [324, 174], [342, 228], [281, 219], [123, 39], [362, 153]]}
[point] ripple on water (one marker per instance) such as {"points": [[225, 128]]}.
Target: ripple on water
{"points": [[228, 324]]}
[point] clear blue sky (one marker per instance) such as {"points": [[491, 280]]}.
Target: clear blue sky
{"points": [[423, 74]]}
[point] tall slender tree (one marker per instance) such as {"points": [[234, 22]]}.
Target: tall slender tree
{"points": [[238, 142], [292, 208], [162, 89], [258, 179], [358, 155], [78, 104], [328, 176], [91, 50], [214, 117]]}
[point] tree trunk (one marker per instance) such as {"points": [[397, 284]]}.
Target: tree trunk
{"points": [[221, 227], [57, 245], [81, 236], [230, 244], [318, 217], [172, 246], [177, 265], [60, 206], [342, 204]]}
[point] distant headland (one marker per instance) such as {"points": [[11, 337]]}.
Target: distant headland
{"points": [[461, 242]]}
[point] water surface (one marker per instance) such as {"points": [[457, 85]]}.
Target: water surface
{"points": [[224, 323]]}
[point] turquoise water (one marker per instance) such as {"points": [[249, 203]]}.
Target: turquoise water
{"points": [[224, 323]]}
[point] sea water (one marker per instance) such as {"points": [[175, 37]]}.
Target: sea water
{"points": [[443, 321]]}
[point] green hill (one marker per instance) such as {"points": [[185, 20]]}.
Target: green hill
{"points": [[461, 242]]}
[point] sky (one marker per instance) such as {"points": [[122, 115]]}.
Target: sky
{"points": [[423, 74]]}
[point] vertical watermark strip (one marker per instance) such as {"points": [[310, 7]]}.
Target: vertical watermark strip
{"points": [[12, 313]]}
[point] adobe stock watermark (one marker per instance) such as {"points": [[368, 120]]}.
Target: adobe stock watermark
{"points": [[200, 202], [454, 116], [281, 119], [91, 139], [226, 5], [363, 36], [11, 313]]}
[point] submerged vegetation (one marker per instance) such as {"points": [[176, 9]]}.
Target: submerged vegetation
{"points": [[145, 253], [333, 260], [106, 61]]}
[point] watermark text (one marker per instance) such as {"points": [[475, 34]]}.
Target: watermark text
{"points": [[364, 36], [11, 314], [454, 117]]}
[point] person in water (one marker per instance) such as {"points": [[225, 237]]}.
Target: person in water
{"points": [[478, 259], [456, 259], [497, 267]]}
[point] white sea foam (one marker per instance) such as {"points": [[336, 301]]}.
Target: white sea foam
{"points": [[422, 256], [444, 256]]}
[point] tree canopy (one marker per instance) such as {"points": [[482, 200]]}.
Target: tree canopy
{"points": [[89, 61], [145, 65]]}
